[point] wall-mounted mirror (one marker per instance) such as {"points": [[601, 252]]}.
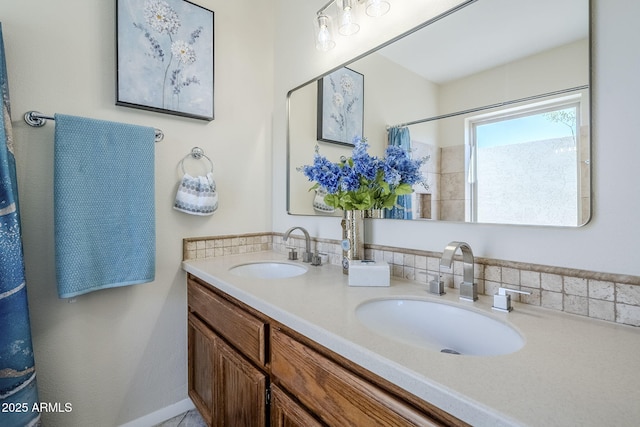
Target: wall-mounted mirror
{"points": [[496, 94]]}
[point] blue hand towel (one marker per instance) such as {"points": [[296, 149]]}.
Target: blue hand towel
{"points": [[104, 203]]}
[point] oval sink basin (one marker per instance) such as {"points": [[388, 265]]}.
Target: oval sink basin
{"points": [[440, 327], [268, 270]]}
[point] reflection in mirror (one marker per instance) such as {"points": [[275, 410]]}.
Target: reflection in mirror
{"points": [[498, 102], [522, 163]]}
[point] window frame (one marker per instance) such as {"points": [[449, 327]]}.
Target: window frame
{"points": [[523, 110]]}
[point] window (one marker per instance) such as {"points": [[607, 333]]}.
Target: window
{"points": [[523, 165]]}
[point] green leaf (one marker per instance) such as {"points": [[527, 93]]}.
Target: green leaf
{"points": [[389, 201], [332, 200], [403, 189], [363, 202]]}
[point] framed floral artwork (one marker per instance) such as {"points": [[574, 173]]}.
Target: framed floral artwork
{"points": [[341, 107], [165, 57]]}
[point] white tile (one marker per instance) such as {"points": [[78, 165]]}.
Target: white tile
{"points": [[603, 310], [552, 300], [601, 290], [493, 273], [576, 304], [628, 314], [551, 282], [510, 276], [627, 294], [575, 286], [530, 279]]}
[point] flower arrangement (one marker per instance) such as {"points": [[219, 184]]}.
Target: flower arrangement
{"points": [[164, 20], [363, 181]]}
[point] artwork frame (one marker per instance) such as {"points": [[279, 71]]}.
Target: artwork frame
{"points": [[341, 107], [165, 57]]}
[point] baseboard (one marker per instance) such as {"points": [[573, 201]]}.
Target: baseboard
{"points": [[161, 415]]}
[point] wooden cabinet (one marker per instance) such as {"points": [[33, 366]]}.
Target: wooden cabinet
{"points": [[285, 412], [240, 390], [336, 395], [238, 355], [242, 329], [227, 386], [201, 362]]}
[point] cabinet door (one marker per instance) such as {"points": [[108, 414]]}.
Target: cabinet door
{"points": [[240, 390], [226, 388], [201, 357], [287, 413]]}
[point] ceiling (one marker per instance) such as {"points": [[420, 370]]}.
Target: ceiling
{"points": [[488, 33]]}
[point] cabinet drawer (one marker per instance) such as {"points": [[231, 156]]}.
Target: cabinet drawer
{"points": [[243, 330], [287, 413], [336, 395]]}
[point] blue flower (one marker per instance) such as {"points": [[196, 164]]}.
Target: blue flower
{"points": [[350, 178], [364, 181], [363, 163], [324, 172], [400, 168]]}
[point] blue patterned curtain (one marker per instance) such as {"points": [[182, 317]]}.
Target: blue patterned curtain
{"points": [[400, 137], [18, 391]]}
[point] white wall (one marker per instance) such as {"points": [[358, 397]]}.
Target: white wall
{"points": [[119, 354], [558, 68], [607, 244]]}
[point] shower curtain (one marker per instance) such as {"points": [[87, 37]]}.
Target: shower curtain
{"points": [[400, 137], [18, 391]]}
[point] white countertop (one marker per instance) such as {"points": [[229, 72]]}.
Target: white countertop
{"points": [[572, 371]]}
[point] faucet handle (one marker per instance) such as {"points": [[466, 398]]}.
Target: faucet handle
{"points": [[502, 300], [293, 254], [316, 259], [436, 287]]}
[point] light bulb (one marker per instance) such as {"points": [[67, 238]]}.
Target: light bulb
{"points": [[324, 42], [348, 24], [377, 8]]}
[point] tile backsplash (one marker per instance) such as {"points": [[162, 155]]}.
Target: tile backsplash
{"points": [[604, 296]]}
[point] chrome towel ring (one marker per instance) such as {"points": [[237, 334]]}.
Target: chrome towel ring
{"points": [[196, 153]]}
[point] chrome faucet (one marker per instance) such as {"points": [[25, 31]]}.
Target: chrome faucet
{"points": [[468, 288], [306, 257]]}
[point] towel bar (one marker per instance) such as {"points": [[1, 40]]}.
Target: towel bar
{"points": [[36, 119]]}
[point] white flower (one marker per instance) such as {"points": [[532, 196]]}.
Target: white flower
{"points": [[161, 17], [346, 83], [338, 100], [183, 52]]}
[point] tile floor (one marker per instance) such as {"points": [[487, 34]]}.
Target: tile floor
{"points": [[189, 419]]}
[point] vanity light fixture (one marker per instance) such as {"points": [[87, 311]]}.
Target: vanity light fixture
{"points": [[377, 8], [348, 18], [324, 33], [347, 13]]}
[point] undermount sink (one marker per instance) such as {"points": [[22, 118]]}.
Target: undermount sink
{"points": [[268, 270], [439, 326]]}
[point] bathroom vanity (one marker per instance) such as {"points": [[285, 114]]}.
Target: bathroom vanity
{"points": [[291, 351], [241, 359]]}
